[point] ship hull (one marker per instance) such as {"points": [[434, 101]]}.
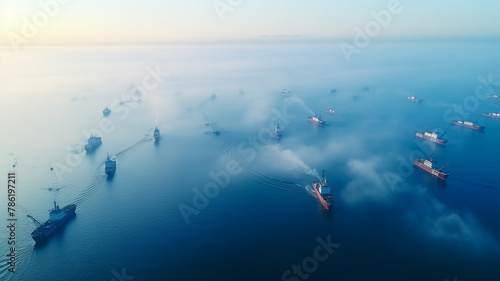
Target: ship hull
{"points": [[431, 171], [320, 198], [473, 127], [43, 232], [438, 141]]}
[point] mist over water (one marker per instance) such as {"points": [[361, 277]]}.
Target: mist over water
{"points": [[393, 222]]}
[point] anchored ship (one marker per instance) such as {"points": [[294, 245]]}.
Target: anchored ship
{"points": [[412, 98], [93, 143], [430, 136], [277, 131], [331, 111], [106, 111], [110, 167], [315, 119], [57, 218], [467, 124], [323, 191], [156, 134], [427, 165], [492, 115]]}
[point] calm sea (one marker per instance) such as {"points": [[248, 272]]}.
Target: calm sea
{"points": [[217, 198]]}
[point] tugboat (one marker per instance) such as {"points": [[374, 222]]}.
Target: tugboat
{"points": [[110, 167], [492, 115], [412, 98], [467, 124], [156, 134], [315, 119], [106, 111], [277, 131], [93, 143], [323, 192], [427, 165], [285, 93], [430, 136], [331, 111], [57, 218]]}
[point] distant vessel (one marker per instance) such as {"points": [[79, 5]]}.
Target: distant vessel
{"points": [[412, 98], [315, 119], [156, 134], [492, 115], [467, 124], [285, 93], [333, 91], [323, 192], [241, 92], [493, 96], [106, 111], [427, 165], [93, 143], [110, 167], [331, 111], [430, 136], [277, 131], [57, 218]]}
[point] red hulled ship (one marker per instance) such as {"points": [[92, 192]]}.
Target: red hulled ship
{"points": [[323, 191], [427, 165]]}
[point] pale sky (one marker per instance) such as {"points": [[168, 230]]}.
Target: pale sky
{"points": [[125, 21]]}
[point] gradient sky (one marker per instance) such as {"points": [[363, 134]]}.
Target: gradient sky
{"points": [[125, 21]]}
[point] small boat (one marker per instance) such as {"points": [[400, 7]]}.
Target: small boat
{"points": [[492, 115], [106, 111], [323, 192], [285, 93], [467, 124], [331, 111], [427, 165], [110, 167], [277, 131], [315, 119], [156, 134], [412, 98]]}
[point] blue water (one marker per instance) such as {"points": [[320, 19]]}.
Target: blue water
{"points": [[392, 222]]}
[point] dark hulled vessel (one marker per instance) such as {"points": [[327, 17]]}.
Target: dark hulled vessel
{"points": [[467, 124], [57, 218], [156, 134], [93, 143], [110, 167], [431, 137]]}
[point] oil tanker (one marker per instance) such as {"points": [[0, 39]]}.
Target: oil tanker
{"points": [[57, 218], [467, 124], [430, 136], [323, 192], [427, 165]]}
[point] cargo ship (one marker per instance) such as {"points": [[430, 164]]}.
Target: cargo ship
{"points": [[93, 143], [277, 131], [110, 167], [427, 165], [57, 218], [430, 136], [106, 111], [467, 124], [331, 111], [492, 115], [315, 119], [156, 134], [412, 98], [323, 192]]}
